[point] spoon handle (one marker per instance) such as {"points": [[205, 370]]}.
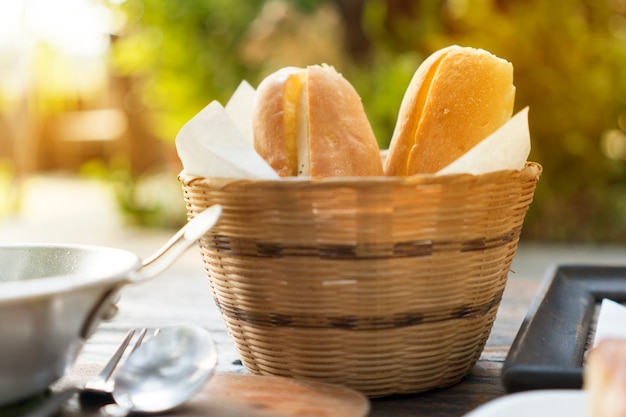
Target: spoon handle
{"points": [[51, 405]]}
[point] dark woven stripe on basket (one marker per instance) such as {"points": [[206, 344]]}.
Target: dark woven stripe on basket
{"points": [[353, 322], [245, 247]]}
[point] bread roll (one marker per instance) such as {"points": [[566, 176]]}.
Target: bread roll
{"points": [[604, 379], [311, 122], [457, 97]]}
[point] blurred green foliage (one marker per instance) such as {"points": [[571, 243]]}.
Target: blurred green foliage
{"points": [[182, 54], [569, 58]]}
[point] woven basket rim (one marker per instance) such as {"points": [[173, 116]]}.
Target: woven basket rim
{"points": [[531, 170]]}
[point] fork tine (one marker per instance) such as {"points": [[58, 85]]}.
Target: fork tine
{"points": [[108, 369], [142, 334], [101, 383]]}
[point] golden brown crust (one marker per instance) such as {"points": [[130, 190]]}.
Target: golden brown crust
{"points": [[457, 97], [340, 139]]}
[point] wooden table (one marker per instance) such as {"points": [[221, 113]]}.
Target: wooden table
{"points": [[182, 295]]}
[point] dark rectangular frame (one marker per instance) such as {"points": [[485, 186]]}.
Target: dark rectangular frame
{"points": [[549, 348]]}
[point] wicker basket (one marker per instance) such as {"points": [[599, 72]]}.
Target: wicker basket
{"points": [[385, 285]]}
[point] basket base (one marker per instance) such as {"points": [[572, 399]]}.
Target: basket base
{"points": [[377, 363]]}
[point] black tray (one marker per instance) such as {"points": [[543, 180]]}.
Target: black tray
{"points": [[549, 348]]}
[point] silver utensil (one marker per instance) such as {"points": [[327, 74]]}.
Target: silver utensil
{"points": [[164, 372], [101, 384], [158, 375]]}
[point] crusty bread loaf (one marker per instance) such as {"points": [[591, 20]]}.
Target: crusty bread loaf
{"points": [[457, 97], [311, 122], [604, 379]]}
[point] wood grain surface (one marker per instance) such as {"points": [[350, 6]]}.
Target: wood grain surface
{"points": [[168, 303]]}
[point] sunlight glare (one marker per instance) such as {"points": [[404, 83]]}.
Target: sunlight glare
{"points": [[53, 46], [75, 27]]}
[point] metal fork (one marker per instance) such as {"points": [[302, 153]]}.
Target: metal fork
{"points": [[103, 382], [100, 385]]}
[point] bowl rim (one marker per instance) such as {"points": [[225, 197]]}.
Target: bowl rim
{"points": [[46, 286]]}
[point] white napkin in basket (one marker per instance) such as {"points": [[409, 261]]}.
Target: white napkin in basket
{"points": [[240, 107], [217, 142], [611, 321]]}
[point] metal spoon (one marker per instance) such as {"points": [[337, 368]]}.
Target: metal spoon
{"points": [[161, 374], [164, 372]]}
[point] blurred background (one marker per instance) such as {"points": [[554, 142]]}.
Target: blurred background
{"points": [[98, 89]]}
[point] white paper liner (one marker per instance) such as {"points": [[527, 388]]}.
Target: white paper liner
{"points": [[611, 322]]}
